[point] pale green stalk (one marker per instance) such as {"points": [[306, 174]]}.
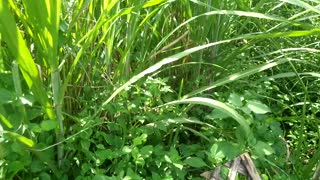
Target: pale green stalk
{"points": [[17, 87]]}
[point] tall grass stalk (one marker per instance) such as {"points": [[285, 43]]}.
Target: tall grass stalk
{"points": [[46, 26]]}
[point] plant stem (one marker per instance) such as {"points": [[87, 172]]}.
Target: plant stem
{"points": [[55, 77]]}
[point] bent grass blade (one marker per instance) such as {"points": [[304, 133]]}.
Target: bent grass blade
{"points": [[218, 105]]}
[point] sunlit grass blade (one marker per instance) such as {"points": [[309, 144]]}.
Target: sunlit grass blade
{"points": [[153, 3], [218, 105], [157, 66], [302, 4], [3, 118], [20, 138], [180, 121], [12, 36], [290, 74], [44, 17], [180, 55]]}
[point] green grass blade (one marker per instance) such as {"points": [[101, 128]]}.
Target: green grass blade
{"points": [[237, 76], [180, 121], [88, 38], [17, 46], [20, 138], [288, 75], [302, 4], [18, 89], [158, 66], [218, 105], [228, 79], [226, 12], [3, 118], [153, 3]]}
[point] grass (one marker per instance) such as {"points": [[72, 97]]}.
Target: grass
{"points": [[150, 89]]}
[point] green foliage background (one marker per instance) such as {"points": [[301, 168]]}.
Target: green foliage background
{"points": [[158, 89]]}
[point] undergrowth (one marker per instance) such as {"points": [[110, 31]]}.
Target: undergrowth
{"points": [[158, 89]]}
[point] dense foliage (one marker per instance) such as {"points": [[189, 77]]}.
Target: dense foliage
{"points": [[158, 89]]}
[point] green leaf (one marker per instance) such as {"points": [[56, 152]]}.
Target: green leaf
{"points": [[85, 144], [48, 125], [263, 148], [102, 177], [6, 96], [105, 154], [33, 113], [217, 114], [235, 100], [45, 176], [26, 101], [137, 156], [178, 165], [140, 140], [146, 151], [258, 107], [15, 166], [167, 159], [174, 155], [126, 149], [225, 149], [230, 150], [36, 166], [100, 146], [216, 154], [195, 162], [114, 140], [35, 127], [174, 158]]}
